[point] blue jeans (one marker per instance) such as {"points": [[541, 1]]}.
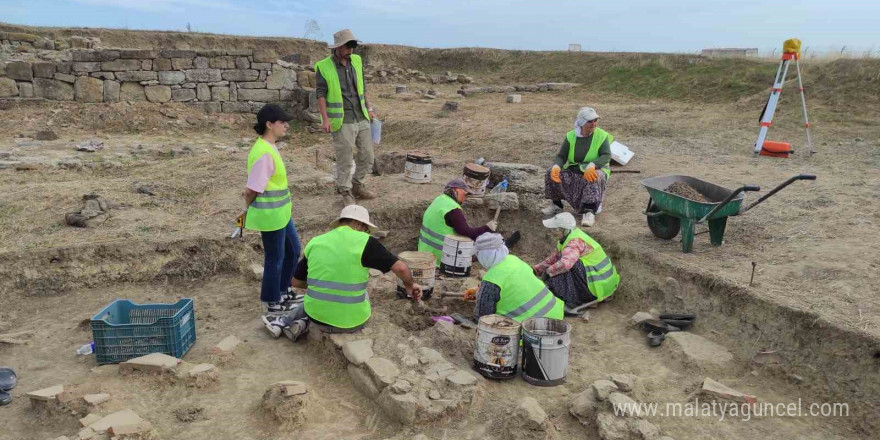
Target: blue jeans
{"points": [[281, 249]]}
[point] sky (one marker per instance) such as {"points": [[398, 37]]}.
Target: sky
{"points": [[621, 25]]}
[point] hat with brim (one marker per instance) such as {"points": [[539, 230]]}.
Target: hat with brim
{"points": [[459, 184], [563, 220], [342, 37], [355, 212]]}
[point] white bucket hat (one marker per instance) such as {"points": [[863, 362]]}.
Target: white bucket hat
{"points": [[563, 220], [355, 212], [342, 37], [587, 114]]}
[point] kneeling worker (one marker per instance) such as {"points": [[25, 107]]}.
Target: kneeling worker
{"points": [[509, 287], [334, 270], [579, 272], [445, 217]]}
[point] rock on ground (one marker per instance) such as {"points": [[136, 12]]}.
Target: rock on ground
{"points": [[287, 409], [358, 352], [699, 350], [584, 406], [715, 390], [603, 388], [530, 415]]}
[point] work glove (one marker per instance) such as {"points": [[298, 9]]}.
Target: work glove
{"points": [[536, 271], [556, 174], [492, 225], [590, 173], [470, 294]]}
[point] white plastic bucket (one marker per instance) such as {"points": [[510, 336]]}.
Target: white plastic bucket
{"points": [[423, 266], [458, 252], [496, 351], [545, 351], [417, 168]]}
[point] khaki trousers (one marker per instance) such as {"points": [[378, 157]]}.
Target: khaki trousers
{"points": [[351, 136]]}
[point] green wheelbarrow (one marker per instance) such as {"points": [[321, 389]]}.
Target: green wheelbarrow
{"points": [[670, 213]]}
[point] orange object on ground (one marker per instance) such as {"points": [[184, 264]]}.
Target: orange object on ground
{"points": [[776, 149]]}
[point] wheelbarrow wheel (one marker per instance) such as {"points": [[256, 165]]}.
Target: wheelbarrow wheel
{"points": [[663, 225]]}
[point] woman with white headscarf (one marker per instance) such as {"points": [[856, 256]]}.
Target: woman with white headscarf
{"points": [[510, 288], [580, 169], [579, 272]]}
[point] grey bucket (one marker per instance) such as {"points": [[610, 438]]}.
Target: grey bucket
{"points": [[545, 351]]}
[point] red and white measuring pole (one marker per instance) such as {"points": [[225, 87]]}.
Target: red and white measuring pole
{"points": [[775, 92]]}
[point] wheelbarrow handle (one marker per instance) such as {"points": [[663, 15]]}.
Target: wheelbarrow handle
{"points": [[777, 189], [728, 200]]}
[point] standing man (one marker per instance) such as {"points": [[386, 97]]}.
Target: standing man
{"points": [[268, 210], [346, 114]]}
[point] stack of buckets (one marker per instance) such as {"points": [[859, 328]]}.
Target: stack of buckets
{"points": [[545, 346]]}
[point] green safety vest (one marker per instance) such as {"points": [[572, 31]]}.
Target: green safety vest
{"points": [[270, 211], [337, 282], [602, 276], [599, 136], [434, 227], [327, 69], [523, 295]]}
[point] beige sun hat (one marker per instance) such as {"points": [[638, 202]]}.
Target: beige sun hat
{"points": [[355, 212], [342, 37], [587, 114]]}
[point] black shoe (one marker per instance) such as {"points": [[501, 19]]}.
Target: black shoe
{"points": [[514, 238], [655, 338], [680, 320]]}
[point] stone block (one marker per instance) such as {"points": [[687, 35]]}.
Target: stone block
{"points": [[237, 107], [258, 95], [117, 65], [210, 53], [26, 90], [8, 88], [306, 78], [200, 63], [461, 378], [21, 36], [20, 70], [181, 63], [137, 76], [111, 91], [203, 92], [252, 85], [714, 390], [119, 418], [183, 95], [221, 63], [103, 75], [94, 55], [207, 107], [202, 375], [530, 414], [584, 406], [203, 75], [220, 94], [265, 56], [240, 52], [603, 388], [53, 89], [699, 350], [132, 91], [621, 400], [227, 345], [189, 85], [146, 64], [261, 66], [401, 386], [240, 75], [160, 64], [282, 78], [362, 382], [138, 431], [44, 69], [400, 407], [383, 371], [151, 363], [65, 77], [89, 419], [140, 54], [242, 63], [514, 99], [96, 399], [86, 67], [171, 77], [64, 67], [358, 352], [46, 394], [286, 95], [158, 93], [172, 53]]}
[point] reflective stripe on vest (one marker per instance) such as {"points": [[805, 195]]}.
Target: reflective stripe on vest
{"points": [[337, 282], [599, 136], [335, 112], [602, 276], [270, 210], [434, 228], [523, 295]]}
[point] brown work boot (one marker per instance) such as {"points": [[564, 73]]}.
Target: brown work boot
{"points": [[361, 192], [347, 199]]}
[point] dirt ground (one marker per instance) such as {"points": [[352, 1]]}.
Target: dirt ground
{"points": [[814, 244]]}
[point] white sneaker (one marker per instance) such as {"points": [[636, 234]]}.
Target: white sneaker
{"points": [[274, 325], [296, 330], [551, 210], [599, 209], [588, 220]]}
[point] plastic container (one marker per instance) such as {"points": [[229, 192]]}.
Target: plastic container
{"points": [[496, 351], [376, 131], [423, 266], [125, 330], [86, 349]]}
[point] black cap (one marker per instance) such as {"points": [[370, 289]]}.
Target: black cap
{"points": [[272, 113]]}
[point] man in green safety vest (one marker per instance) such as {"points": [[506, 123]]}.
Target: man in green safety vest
{"points": [[579, 272], [334, 270], [346, 114], [444, 216], [510, 288]]}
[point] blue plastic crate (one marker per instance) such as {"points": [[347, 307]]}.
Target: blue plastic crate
{"points": [[125, 330]]}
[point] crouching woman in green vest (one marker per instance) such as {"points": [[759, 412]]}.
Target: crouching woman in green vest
{"points": [[580, 169], [578, 272], [509, 287], [445, 217], [334, 270]]}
